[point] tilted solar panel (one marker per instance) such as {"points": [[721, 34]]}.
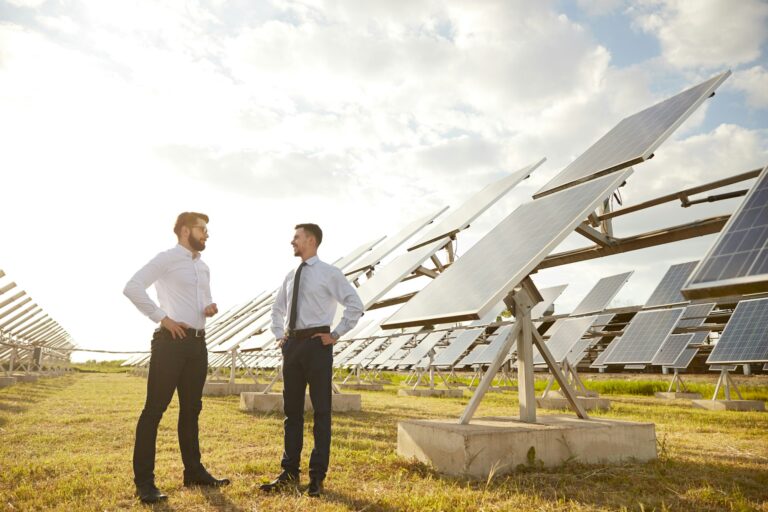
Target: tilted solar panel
{"points": [[668, 289], [737, 263], [745, 337], [644, 336], [602, 294]]}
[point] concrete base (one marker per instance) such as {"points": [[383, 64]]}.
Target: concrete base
{"points": [[730, 405], [670, 395], [268, 402], [451, 393], [588, 403], [362, 386], [7, 381], [500, 445], [559, 394], [26, 378], [226, 389]]}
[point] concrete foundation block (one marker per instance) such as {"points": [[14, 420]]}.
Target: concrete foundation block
{"points": [[558, 394], [451, 393], [226, 389], [730, 405], [588, 403], [27, 377], [500, 445], [362, 386], [269, 402], [7, 381], [671, 395]]}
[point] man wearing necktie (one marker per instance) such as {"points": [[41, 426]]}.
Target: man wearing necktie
{"points": [[310, 295]]}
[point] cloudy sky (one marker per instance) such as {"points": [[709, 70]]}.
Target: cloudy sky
{"points": [[115, 116]]}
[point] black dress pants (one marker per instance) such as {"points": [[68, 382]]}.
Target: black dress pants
{"points": [[307, 361], [180, 364]]}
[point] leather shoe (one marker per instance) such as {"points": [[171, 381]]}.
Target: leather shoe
{"points": [[315, 488], [205, 480], [150, 494], [283, 481]]}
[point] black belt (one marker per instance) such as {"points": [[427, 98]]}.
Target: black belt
{"points": [[303, 334], [191, 333]]}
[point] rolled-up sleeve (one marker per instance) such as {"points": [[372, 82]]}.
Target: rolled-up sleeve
{"points": [[136, 288], [278, 311], [346, 295]]}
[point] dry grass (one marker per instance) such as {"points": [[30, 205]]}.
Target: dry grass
{"points": [[65, 444]]}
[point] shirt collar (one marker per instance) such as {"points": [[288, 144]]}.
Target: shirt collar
{"points": [[311, 261], [186, 251]]}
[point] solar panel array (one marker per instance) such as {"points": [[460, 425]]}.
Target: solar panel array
{"points": [[579, 349], [422, 348], [644, 336], [745, 337], [695, 315], [686, 356], [461, 217], [342, 263], [737, 263], [668, 290], [458, 346], [565, 333], [601, 294], [504, 257], [391, 243], [499, 338], [635, 138]]}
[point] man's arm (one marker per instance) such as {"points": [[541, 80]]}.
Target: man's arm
{"points": [[278, 312], [346, 295], [211, 308], [136, 288]]}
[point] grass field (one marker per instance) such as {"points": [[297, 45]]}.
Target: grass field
{"points": [[65, 444]]}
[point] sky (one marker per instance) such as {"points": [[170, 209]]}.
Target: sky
{"points": [[360, 116]]}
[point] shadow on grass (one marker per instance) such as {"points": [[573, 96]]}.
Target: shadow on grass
{"points": [[18, 398], [219, 500], [351, 502]]}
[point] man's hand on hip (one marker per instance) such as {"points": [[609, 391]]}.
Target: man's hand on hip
{"points": [[325, 337], [178, 329]]}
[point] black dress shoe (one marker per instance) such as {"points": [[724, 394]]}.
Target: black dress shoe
{"points": [[205, 480], [283, 481], [315, 488], [150, 494]]}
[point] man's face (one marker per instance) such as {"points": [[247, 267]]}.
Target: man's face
{"points": [[198, 234], [300, 242]]}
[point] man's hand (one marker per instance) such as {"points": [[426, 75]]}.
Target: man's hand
{"points": [[281, 341], [325, 337], [178, 329], [211, 310]]}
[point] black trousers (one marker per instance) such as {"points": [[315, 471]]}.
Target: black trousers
{"points": [[307, 361], [180, 364]]}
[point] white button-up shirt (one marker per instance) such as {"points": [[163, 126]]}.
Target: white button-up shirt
{"points": [[183, 287], [321, 288]]}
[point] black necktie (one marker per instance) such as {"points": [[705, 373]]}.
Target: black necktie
{"points": [[295, 297]]}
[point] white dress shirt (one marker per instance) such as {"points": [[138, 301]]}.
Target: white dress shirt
{"points": [[321, 288], [183, 287]]}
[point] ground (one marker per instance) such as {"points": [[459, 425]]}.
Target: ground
{"points": [[65, 444]]}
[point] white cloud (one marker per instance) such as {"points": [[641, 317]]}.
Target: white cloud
{"points": [[706, 33], [754, 83]]}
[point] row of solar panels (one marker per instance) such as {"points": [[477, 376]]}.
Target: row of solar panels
{"points": [[27, 332]]}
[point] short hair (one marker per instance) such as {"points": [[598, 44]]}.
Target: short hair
{"points": [[187, 219], [313, 230]]}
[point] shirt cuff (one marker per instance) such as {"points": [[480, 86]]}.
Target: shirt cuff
{"points": [[157, 315]]}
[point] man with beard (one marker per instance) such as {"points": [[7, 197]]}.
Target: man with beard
{"points": [[311, 294], [179, 359]]}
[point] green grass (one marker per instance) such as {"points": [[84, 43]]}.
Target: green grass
{"points": [[65, 444], [92, 366]]}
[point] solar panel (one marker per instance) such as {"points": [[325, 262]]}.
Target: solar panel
{"points": [[644, 336], [745, 337], [497, 343], [491, 315], [422, 348], [684, 359], [461, 217], [395, 344], [671, 349], [390, 244], [668, 289], [695, 315], [635, 138], [504, 257], [579, 349], [471, 358], [737, 263], [389, 275], [342, 263], [458, 346], [602, 356], [565, 333], [366, 352], [549, 295], [602, 294]]}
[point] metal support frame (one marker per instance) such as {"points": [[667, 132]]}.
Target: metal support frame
{"points": [[520, 302], [678, 383], [726, 382]]}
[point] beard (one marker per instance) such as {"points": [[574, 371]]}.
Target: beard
{"points": [[196, 243]]}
